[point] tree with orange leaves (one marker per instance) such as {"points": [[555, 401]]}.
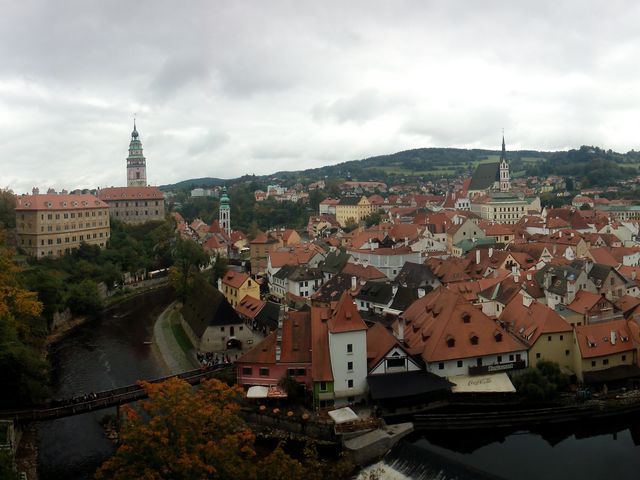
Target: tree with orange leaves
{"points": [[23, 372], [196, 433]]}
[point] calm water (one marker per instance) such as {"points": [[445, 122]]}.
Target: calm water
{"points": [[110, 352], [105, 353], [604, 450]]}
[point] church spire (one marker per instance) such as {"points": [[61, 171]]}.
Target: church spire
{"points": [[503, 155], [505, 177]]}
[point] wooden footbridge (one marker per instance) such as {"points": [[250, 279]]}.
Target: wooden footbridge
{"points": [[101, 400]]}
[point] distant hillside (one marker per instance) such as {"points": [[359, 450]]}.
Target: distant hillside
{"points": [[591, 165], [195, 183]]}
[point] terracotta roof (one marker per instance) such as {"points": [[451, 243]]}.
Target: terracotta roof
{"points": [[250, 307], [627, 303], [130, 193], [584, 301], [603, 255], [365, 273], [320, 357], [51, 201], [346, 317], [235, 279], [442, 325], [295, 345], [529, 322], [595, 340], [379, 342]]}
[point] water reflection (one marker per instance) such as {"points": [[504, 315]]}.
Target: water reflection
{"points": [[105, 353]]}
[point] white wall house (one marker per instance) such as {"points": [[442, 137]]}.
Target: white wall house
{"points": [[348, 352]]}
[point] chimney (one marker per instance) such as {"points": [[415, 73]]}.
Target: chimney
{"points": [[406, 241], [516, 273], [528, 275], [421, 292], [400, 331], [526, 300], [613, 337], [354, 282], [477, 256], [560, 234], [490, 252]]}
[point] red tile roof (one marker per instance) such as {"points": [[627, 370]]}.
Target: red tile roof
{"points": [[595, 340], [130, 193], [346, 317], [440, 326], [52, 201], [529, 322], [235, 279], [250, 307], [320, 357]]}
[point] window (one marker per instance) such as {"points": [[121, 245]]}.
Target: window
{"points": [[561, 337], [459, 363], [350, 366], [350, 383], [349, 348], [323, 386], [395, 362], [222, 329], [247, 370], [624, 358], [291, 372], [605, 361], [549, 338], [264, 372], [301, 372], [441, 366], [499, 358], [566, 353], [511, 358], [593, 363], [538, 355]]}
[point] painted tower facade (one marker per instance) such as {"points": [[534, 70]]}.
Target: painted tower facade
{"points": [[505, 177], [136, 163], [225, 212]]}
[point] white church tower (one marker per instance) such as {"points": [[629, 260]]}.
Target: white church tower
{"points": [[225, 212], [505, 178]]}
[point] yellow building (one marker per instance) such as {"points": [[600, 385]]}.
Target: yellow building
{"points": [[353, 209], [55, 224], [236, 285], [605, 352], [547, 334]]}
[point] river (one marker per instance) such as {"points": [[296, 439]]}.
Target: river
{"points": [[110, 352], [104, 353]]}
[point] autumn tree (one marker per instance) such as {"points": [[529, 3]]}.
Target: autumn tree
{"points": [[23, 372], [197, 433]]}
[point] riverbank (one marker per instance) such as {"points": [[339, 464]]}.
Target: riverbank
{"points": [[173, 352]]}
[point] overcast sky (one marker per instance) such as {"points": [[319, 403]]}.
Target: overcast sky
{"points": [[224, 88]]}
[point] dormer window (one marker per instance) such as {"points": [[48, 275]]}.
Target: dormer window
{"points": [[498, 336], [466, 318], [474, 339], [451, 342]]}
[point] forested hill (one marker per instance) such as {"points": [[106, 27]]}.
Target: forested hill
{"points": [[593, 166]]}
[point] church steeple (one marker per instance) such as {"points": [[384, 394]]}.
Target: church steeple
{"points": [[505, 177], [225, 212], [136, 163]]}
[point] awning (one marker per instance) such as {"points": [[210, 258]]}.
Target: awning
{"points": [[343, 415], [405, 384], [259, 391], [494, 383]]}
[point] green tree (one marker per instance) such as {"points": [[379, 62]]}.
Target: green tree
{"points": [[7, 209], [84, 298], [542, 383], [189, 258]]}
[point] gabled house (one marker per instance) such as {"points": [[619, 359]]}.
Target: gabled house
{"points": [[494, 299], [562, 282], [385, 354], [605, 353], [547, 335], [607, 280], [236, 285], [286, 352], [454, 337], [593, 308]]}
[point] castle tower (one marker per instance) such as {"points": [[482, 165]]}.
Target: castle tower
{"points": [[225, 212], [136, 163], [505, 178]]}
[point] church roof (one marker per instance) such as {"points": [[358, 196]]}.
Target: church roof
{"points": [[485, 176]]}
